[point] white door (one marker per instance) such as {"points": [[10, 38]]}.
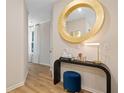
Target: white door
{"points": [[33, 44]]}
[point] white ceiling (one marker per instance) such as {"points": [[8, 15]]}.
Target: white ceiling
{"points": [[40, 10]]}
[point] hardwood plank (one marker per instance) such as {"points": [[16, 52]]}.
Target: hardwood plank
{"points": [[39, 80]]}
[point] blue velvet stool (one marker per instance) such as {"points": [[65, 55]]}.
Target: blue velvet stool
{"points": [[72, 81]]}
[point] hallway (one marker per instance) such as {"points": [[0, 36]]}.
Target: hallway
{"points": [[39, 81]]}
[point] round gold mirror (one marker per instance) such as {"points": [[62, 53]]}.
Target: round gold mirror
{"points": [[80, 20]]}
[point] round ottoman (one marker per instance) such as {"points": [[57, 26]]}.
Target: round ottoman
{"points": [[72, 81]]}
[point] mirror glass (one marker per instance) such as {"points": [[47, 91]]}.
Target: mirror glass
{"points": [[80, 21]]}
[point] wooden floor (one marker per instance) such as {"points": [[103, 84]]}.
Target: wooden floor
{"points": [[39, 81]]}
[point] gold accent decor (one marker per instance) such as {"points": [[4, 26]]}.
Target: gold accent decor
{"points": [[95, 5]]}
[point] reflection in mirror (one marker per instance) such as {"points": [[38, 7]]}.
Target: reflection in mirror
{"points": [[80, 21]]}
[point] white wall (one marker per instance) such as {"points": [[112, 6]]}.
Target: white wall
{"points": [[108, 39], [44, 39], [17, 52]]}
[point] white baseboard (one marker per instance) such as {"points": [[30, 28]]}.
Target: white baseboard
{"points": [[88, 89], [92, 90], [45, 64], [15, 86], [18, 84]]}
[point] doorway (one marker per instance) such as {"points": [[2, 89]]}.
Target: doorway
{"points": [[39, 43]]}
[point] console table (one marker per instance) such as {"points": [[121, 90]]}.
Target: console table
{"points": [[57, 70]]}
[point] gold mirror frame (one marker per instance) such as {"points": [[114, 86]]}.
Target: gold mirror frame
{"points": [[95, 5]]}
